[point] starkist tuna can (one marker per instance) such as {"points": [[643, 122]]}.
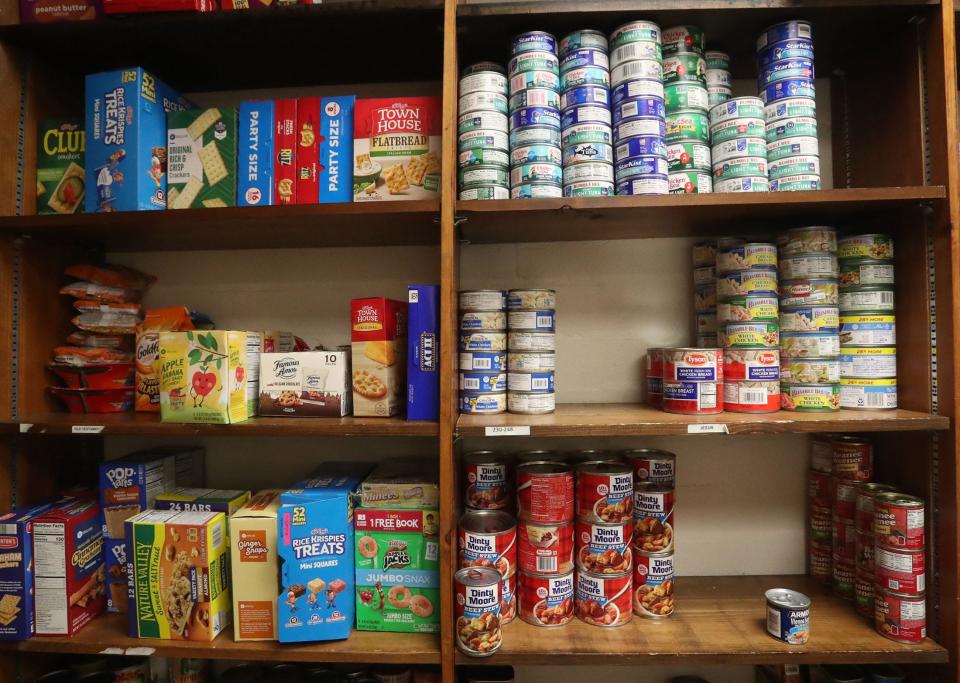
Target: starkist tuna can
{"points": [[641, 186], [641, 49], [638, 69], [604, 492], [603, 548], [628, 109], [540, 60], [585, 75], [545, 492], [546, 600], [796, 68], [636, 87], [578, 40], [488, 538], [791, 48], [789, 88], [584, 57], [604, 600], [533, 41], [640, 167]]}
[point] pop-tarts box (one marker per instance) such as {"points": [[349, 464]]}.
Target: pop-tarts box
{"points": [[423, 352], [336, 149], [16, 572], [255, 154], [315, 553], [115, 562], [126, 131]]}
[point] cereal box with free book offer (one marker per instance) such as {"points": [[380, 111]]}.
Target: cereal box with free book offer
{"points": [[396, 149], [336, 149], [379, 345], [202, 158], [423, 352], [255, 154], [16, 572], [253, 554], [398, 570], [60, 159], [126, 140]]}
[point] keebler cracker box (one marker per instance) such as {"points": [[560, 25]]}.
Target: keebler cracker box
{"points": [[379, 339], [16, 572], [253, 554], [60, 159], [396, 149], [178, 575], [126, 140], [308, 149], [203, 376], [336, 149], [285, 143], [255, 154], [202, 158], [155, 321], [423, 352], [398, 570]]}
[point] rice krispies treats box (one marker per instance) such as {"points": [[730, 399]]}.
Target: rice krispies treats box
{"points": [[396, 148]]}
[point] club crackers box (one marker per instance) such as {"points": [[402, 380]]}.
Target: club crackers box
{"points": [[60, 159], [336, 149], [285, 143], [126, 140], [396, 149], [423, 352], [253, 555], [315, 551], [255, 154], [16, 572], [202, 158], [378, 332], [69, 575], [308, 149]]}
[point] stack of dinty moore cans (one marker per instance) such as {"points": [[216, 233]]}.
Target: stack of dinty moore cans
{"points": [[482, 149], [737, 129], [535, 156], [719, 78], [688, 128]]}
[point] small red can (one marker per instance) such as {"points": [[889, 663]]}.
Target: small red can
{"points": [[603, 548], [844, 540], [546, 600], [693, 398], [821, 529], [901, 571], [751, 396], [487, 484], [845, 498], [863, 594], [865, 552], [751, 364], [545, 549], [852, 458], [653, 585], [604, 600], [844, 575], [898, 521], [864, 506], [692, 365], [508, 591], [900, 617], [488, 538], [653, 517], [653, 465], [545, 491], [820, 560], [818, 490], [604, 491], [477, 605]]}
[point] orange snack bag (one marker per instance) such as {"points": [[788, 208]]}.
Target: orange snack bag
{"points": [[90, 290], [89, 306], [111, 276], [86, 355], [155, 321]]}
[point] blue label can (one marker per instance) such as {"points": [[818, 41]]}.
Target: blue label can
{"points": [[536, 173], [585, 75], [536, 154], [639, 127], [585, 57], [585, 113], [483, 381], [537, 321], [533, 41], [483, 404], [785, 30], [641, 167], [639, 106], [637, 87], [536, 191], [587, 151], [585, 94], [483, 360], [639, 186], [536, 382], [796, 183], [788, 88], [649, 145], [788, 616], [535, 116], [578, 40], [786, 49], [787, 69]]}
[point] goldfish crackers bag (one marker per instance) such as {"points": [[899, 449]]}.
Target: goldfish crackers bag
{"points": [[155, 321]]}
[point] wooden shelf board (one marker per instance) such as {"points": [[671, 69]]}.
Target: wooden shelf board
{"points": [[107, 634], [304, 225], [500, 7], [608, 218], [149, 424], [629, 419], [719, 620]]}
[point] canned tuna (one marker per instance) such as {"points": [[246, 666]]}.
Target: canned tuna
{"points": [[535, 60], [809, 345], [683, 39], [587, 75], [796, 183], [790, 88], [484, 157], [533, 41], [740, 167], [748, 282], [638, 106], [809, 291], [535, 135], [793, 166], [755, 184], [585, 113], [535, 116], [868, 394], [546, 600], [482, 175], [738, 147], [690, 182], [632, 128], [703, 398], [589, 188], [482, 101], [746, 256], [584, 57], [653, 585], [532, 361], [736, 108], [737, 128], [535, 97], [586, 94], [640, 186], [790, 128], [485, 192], [545, 549], [482, 139], [687, 125], [786, 30], [688, 156], [810, 397], [686, 96], [785, 50], [531, 404], [810, 370], [640, 166], [868, 298], [585, 38], [645, 49], [791, 108], [719, 77], [483, 341], [637, 69], [483, 381], [484, 81], [810, 319], [483, 404], [637, 87], [481, 120], [752, 365], [684, 67], [534, 79], [717, 60], [868, 330], [536, 191], [536, 173], [482, 300], [856, 272], [635, 31], [793, 147], [592, 170], [797, 68], [482, 66], [866, 246], [603, 600], [586, 133], [483, 320], [587, 152], [535, 154], [751, 396], [641, 146], [483, 360], [717, 94]]}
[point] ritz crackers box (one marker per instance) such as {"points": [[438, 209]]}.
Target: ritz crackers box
{"points": [[423, 352], [255, 154], [285, 141], [16, 572], [336, 149], [126, 130], [379, 339], [253, 555], [308, 150], [60, 159]]}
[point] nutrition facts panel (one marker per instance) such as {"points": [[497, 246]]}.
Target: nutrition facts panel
{"points": [[50, 578]]}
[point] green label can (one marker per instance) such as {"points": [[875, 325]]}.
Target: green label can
{"points": [[799, 127], [737, 108], [815, 398], [740, 167], [791, 108], [856, 272], [690, 182], [688, 125], [738, 128], [686, 96], [483, 175], [755, 334], [792, 147], [747, 308], [688, 156], [683, 39], [873, 246], [685, 66]]}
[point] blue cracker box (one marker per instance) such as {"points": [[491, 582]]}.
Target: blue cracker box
{"points": [[16, 572], [115, 562], [126, 130], [423, 355], [315, 553], [255, 154], [336, 149]]}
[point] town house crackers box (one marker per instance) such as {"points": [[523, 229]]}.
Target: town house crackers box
{"points": [[178, 575], [60, 177], [126, 140], [202, 158], [255, 154], [379, 339], [16, 572], [253, 555], [396, 149]]}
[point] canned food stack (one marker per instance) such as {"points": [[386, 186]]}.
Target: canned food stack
{"points": [[866, 567], [820, 510], [748, 324], [851, 467], [532, 345], [637, 98], [704, 294], [692, 380], [899, 556], [786, 86], [585, 116], [868, 339], [483, 346], [487, 539], [653, 531], [739, 149], [810, 340], [534, 85], [483, 156], [719, 78], [687, 103]]}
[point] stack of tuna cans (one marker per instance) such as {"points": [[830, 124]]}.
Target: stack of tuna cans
{"points": [[585, 115], [532, 344], [535, 156], [739, 151], [483, 358], [719, 78], [749, 327], [653, 531], [786, 86], [687, 103], [810, 349], [868, 351], [637, 97], [483, 158], [705, 293]]}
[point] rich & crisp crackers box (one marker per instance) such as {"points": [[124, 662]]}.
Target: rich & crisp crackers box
{"points": [[202, 158]]}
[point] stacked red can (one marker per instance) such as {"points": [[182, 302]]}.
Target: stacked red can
{"points": [[852, 466], [863, 589], [654, 360], [899, 557], [692, 381], [654, 473], [820, 510]]}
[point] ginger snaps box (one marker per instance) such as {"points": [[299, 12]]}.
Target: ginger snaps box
{"points": [[253, 555]]}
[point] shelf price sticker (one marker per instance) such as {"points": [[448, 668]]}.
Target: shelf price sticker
{"points": [[86, 429], [708, 428], [504, 430]]}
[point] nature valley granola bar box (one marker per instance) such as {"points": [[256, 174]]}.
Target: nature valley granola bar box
{"points": [[396, 148], [202, 158], [202, 500], [60, 159], [379, 345], [253, 554]]}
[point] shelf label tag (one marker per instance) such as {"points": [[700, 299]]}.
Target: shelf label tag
{"points": [[25, 427], [139, 651], [708, 428], [111, 651], [86, 429], [504, 430]]}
